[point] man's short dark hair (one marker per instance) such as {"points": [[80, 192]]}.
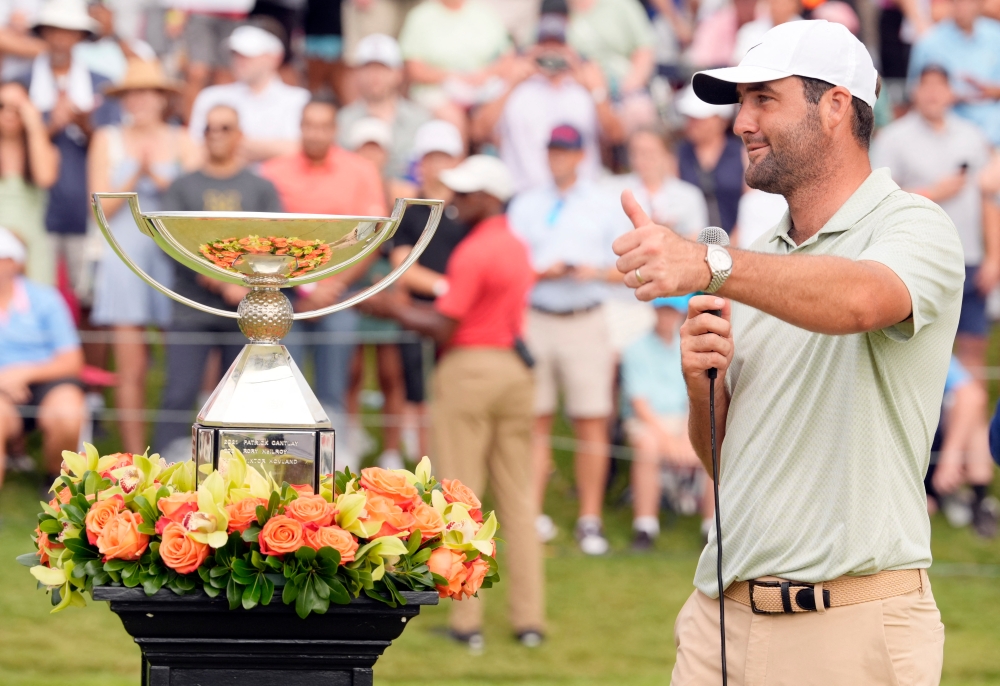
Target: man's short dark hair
{"points": [[934, 69], [324, 97], [863, 124]]}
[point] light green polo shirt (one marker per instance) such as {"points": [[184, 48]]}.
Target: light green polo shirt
{"points": [[828, 437]]}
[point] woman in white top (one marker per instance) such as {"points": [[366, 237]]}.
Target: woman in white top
{"points": [[144, 156]]}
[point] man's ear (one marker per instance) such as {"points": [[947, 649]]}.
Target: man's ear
{"points": [[836, 107]]}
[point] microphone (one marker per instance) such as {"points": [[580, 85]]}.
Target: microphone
{"points": [[713, 235]]}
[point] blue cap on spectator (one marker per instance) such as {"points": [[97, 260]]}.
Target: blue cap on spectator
{"points": [[566, 137], [678, 302]]}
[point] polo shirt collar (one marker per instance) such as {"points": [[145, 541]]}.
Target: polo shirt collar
{"points": [[328, 164], [866, 198]]}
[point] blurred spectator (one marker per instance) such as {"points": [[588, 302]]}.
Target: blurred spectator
{"points": [[655, 406], [520, 18], [711, 157], [714, 39], [482, 386], [452, 50], [72, 101], [552, 86], [324, 179], [372, 139], [438, 147], [758, 213], [654, 183], [143, 156], [838, 12], [965, 45], [29, 165], [900, 23], [673, 30], [208, 25], [962, 445], [109, 54], [364, 17], [618, 36], [934, 153], [379, 79], [40, 362], [751, 33], [223, 184], [18, 46], [270, 110], [324, 49], [569, 228]]}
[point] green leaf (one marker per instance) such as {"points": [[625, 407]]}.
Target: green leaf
{"points": [[216, 572], [329, 554], [74, 514], [290, 593], [272, 504], [234, 594], [51, 526], [338, 593], [211, 591], [81, 549], [306, 599], [262, 515], [29, 559], [413, 542], [421, 557], [153, 584], [322, 588], [266, 590], [305, 554], [115, 565], [257, 560], [274, 562], [251, 593]]}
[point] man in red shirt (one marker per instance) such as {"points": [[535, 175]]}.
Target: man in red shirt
{"points": [[481, 414], [325, 179]]}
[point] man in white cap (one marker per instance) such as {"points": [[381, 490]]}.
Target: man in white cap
{"points": [[40, 362], [832, 351], [379, 67], [481, 415], [269, 109]]}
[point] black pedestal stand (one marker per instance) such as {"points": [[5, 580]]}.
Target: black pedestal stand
{"points": [[195, 640]]}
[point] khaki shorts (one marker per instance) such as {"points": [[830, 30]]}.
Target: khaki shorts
{"points": [[573, 354], [381, 16], [895, 641]]}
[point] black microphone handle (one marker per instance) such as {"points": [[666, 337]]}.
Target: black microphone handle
{"points": [[713, 373]]}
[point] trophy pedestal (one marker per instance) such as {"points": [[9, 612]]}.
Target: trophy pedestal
{"points": [[264, 408], [194, 639]]}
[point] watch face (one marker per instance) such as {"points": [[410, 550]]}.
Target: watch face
{"points": [[720, 260]]}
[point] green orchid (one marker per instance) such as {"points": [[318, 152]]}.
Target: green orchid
{"points": [[62, 580], [208, 525], [464, 534], [91, 460], [378, 552], [179, 476], [350, 509], [243, 480], [423, 472]]}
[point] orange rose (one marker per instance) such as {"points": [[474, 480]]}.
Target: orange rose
{"points": [[243, 514], [392, 485], [303, 489], [311, 509], [120, 538], [477, 570], [280, 535], [100, 514], [383, 509], [455, 491], [175, 507], [427, 520], [451, 565], [179, 551], [45, 546], [332, 537]]}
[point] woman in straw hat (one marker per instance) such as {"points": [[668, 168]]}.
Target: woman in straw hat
{"points": [[143, 155]]}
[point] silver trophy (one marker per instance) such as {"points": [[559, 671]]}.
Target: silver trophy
{"points": [[263, 405]]}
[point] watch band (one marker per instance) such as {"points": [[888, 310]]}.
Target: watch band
{"points": [[718, 276]]}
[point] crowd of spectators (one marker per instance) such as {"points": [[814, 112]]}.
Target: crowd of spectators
{"points": [[528, 117]]}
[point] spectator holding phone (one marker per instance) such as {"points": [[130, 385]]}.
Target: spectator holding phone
{"points": [[934, 153]]}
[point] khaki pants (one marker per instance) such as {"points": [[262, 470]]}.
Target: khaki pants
{"points": [[893, 642], [381, 16], [481, 420]]}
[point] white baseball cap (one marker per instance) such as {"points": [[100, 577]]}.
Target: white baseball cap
{"points": [[438, 135], [480, 173], [11, 247], [66, 14], [815, 49], [378, 48], [690, 105], [369, 130], [253, 41]]}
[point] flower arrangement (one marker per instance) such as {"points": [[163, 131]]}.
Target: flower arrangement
{"points": [[228, 252], [132, 520]]}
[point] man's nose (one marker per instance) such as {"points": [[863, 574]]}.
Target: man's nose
{"points": [[744, 122]]}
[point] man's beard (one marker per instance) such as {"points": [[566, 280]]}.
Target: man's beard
{"points": [[794, 160]]}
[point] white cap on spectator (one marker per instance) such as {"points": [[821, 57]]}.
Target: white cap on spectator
{"points": [[11, 248], [378, 48], [369, 130], [690, 105], [815, 49], [438, 135], [66, 14], [253, 41], [480, 173]]}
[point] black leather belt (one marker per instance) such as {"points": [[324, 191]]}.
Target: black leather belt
{"points": [[566, 313]]}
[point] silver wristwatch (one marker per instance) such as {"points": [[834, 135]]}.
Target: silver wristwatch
{"points": [[720, 262]]}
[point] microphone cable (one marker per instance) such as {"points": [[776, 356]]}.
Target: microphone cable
{"points": [[712, 375]]}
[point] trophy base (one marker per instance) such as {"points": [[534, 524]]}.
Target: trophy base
{"points": [[298, 456]]}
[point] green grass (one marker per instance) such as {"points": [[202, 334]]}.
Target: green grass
{"points": [[610, 619]]}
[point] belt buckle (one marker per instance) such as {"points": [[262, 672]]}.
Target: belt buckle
{"points": [[805, 596]]}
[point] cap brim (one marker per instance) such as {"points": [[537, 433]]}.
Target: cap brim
{"points": [[460, 183], [718, 86]]}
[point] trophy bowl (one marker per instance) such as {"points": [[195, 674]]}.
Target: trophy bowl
{"points": [[263, 406]]}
